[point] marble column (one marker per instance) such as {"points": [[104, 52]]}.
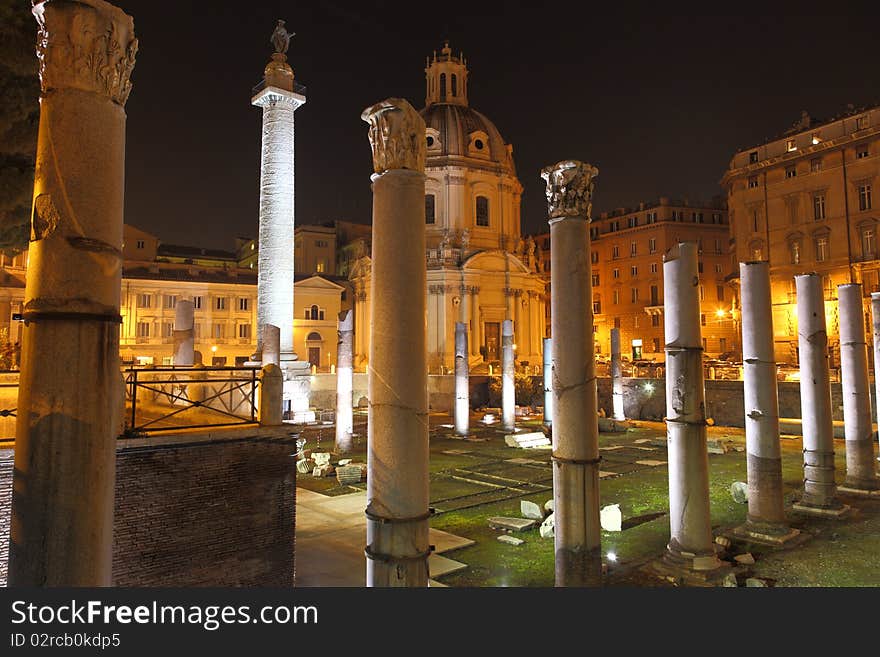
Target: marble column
{"points": [[464, 306], [479, 335], [344, 382], [548, 381], [820, 490], [271, 345], [279, 99], [575, 406], [462, 392], [690, 545], [184, 335], [508, 377], [397, 456], [875, 324], [518, 327], [766, 515], [70, 389], [616, 377], [859, 432]]}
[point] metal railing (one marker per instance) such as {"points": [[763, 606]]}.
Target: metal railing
{"points": [[164, 398]]}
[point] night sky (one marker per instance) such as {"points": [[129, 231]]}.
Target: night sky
{"points": [[658, 103]]}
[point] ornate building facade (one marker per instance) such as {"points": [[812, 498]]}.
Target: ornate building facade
{"points": [[806, 201], [480, 270]]}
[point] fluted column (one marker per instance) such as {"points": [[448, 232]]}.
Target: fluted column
{"points": [[820, 489], [275, 272], [859, 432], [70, 388], [575, 417], [690, 544], [397, 456], [766, 516], [344, 382]]}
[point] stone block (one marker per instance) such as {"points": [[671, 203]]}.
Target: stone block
{"points": [[510, 540], [531, 510], [511, 524]]}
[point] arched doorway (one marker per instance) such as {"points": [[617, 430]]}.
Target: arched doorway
{"points": [[314, 343]]}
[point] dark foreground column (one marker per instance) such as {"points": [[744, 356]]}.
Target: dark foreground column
{"points": [[575, 416], [397, 457], [70, 391]]}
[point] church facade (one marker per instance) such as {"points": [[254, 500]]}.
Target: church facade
{"points": [[480, 270]]}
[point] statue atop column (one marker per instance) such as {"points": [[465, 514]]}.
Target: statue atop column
{"points": [[280, 38]]}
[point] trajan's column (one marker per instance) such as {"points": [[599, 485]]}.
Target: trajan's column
{"points": [[279, 97]]}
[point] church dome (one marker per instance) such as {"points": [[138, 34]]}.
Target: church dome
{"points": [[453, 128]]}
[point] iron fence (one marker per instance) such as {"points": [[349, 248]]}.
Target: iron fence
{"points": [[163, 398]]}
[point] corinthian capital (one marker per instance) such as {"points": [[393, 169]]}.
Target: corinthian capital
{"points": [[397, 135], [569, 189], [87, 45]]}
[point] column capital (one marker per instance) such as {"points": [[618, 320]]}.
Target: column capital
{"points": [[397, 136], [87, 45], [569, 189]]}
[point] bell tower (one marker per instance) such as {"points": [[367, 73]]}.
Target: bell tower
{"points": [[446, 78]]}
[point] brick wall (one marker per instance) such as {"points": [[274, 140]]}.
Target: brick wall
{"points": [[217, 513]]}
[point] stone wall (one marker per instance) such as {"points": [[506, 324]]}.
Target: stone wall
{"points": [[218, 512]]}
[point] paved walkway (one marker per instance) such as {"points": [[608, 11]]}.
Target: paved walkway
{"points": [[331, 535]]}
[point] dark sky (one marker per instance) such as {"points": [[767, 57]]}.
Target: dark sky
{"points": [[658, 103]]}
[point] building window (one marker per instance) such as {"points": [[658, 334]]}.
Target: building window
{"points": [[652, 245], [632, 222], [869, 244], [719, 290], [717, 247], [167, 329], [220, 303], [615, 297], [655, 295], [597, 307], [321, 244], [862, 153], [617, 322], [443, 86], [702, 293], [143, 329], [790, 145], [615, 252], [702, 319], [429, 208], [818, 207], [864, 197], [654, 268], [595, 280], [633, 250], [861, 123], [244, 330], [790, 172], [197, 303], [795, 251], [321, 265], [454, 85], [219, 330], [753, 182], [656, 343], [816, 164], [169, 301], [144, 300], [634, 271], [719, 268], [594, 257], [314, 312], [753, 157], [482, 211], [634, 295], [615, 273], [655, 321], [140, 244], [821, 249], [243, 303]]}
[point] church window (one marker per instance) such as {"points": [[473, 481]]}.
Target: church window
{"points": [[482, 211], [443, 86], [313, 312], [454, 85], [430, 141], [478, 144], [429, 207]]}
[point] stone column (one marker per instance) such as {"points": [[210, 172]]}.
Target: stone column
{"points": [[462, 392], [397, 458], [859, 432], [360, 326], [344, 382], [70, 391], [271, 407], [766, 516], [575, 413], [518, 327], [875, 322], [479, 335], [508, 378], [271, 344], [690, 545], [279, 99], [820, 490], [464, 307], [184, 338], [616, 377], [548, 381]]}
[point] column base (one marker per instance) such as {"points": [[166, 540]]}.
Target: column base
{"points": [[690, 569], [838, 511], [860, 491], [765, 534]]}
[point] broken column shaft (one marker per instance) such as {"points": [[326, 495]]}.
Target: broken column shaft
{"points": [[462, 393], [508, 377], [548, 381], [344, 381], [857, 422], [690, 543], [819, 487], [70, 388], [397, 457], [575, 414], [875, 323], [184, 335], [616, 377], [761, 403]]}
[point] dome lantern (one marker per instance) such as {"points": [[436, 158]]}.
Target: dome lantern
{"points": [[446, 78]]}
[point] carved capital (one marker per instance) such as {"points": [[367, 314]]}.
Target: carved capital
{"points": [[397, 135], [436, 289], [569, 189], [475, 290], [87, 45]]}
